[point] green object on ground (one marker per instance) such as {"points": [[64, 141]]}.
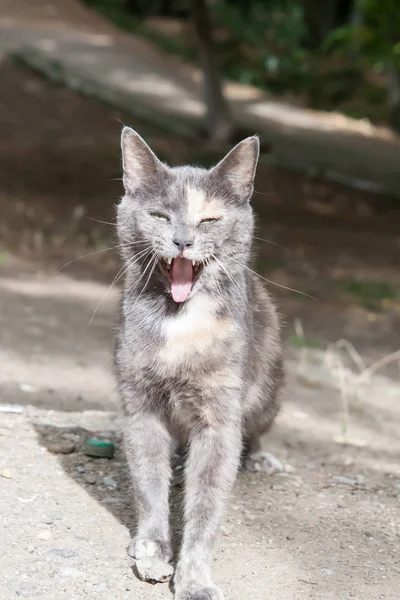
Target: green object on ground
{"points": [[99, 448]]}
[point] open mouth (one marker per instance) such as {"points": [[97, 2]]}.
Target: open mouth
{"points": [[181, 274]]}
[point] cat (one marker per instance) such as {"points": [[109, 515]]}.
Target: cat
{"points": [[197, 352]]}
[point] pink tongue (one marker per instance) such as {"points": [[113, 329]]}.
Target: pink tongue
{"points": [[182, 279]]}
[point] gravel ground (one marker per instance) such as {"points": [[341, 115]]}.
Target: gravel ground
{"points": [[328, 529]]}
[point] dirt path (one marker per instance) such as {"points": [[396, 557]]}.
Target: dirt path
{"points": [[329, 530], [91, 54]]}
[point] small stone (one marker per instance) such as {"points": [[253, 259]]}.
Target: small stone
{"points": [[288, 468], [153, 569], [27, 387], [16, 409], [98, 588], [73, 437], [110, 500], [326, 572], [71, 572], [44, 535], [80, 469], [109, 482], [344, 480], [90, 478], [62, 553], [64, 447], [6, 474], [272, 463]]}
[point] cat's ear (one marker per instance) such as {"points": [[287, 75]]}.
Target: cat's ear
{"points": [[239, 167], [139, 162]]}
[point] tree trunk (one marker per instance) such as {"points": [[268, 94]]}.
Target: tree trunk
{"points": [[322, 16], [393, 73], [219, 122]]}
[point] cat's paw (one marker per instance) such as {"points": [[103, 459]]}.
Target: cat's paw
{"points": [[194, 592], [267, 462], [152, 559], [141, 547], [153, 570]]}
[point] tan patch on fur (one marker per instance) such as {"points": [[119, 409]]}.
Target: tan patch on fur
{"points": [[203, 336], [220, 379], [207, 417]]}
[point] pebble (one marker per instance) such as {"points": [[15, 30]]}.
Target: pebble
{"points": [[270, 464], [71, 572], [90, 478], [98, 588], [64, 447], [62, 553], [326, 571], [74, 437], [153, 569], [109, 482], [16, 409], [344, 480], [110, 500], [80, 469], [44, 535], [6, 474], [27, 387]]}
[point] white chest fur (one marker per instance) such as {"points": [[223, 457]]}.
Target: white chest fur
{"points": [[192, 333]]}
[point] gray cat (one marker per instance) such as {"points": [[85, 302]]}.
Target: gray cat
{"points": [[198, 355]]}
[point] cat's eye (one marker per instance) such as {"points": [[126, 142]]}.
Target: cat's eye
{"points": [[159, 216], [209, 221]]}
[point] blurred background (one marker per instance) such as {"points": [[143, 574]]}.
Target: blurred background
{"points": [[320, 83]]}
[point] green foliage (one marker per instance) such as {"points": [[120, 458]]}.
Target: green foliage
{"points": [[266, 43], [375, 35], [371, 294], [304, 342]]}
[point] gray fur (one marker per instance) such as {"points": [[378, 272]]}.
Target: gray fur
{"points": [[205, 372]]}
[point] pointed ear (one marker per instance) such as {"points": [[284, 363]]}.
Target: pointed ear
{"points": [[239, 167], [139, 162]]}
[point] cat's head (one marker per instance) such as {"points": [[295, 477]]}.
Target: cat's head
{"points": [[191, 225]]}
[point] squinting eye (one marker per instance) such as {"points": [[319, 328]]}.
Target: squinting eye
{"points": [[159, 216], [209, 221]]}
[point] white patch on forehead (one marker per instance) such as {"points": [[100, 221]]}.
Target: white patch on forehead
{"points": [[200, 207], [196, 200]]}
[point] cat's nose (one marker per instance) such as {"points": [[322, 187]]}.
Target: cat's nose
{"points": [[182, 243]]}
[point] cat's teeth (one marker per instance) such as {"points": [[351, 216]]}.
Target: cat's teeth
{"points": [[169, 260], [194, 263]]}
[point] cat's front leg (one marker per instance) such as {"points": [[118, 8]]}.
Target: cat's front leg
{"points": [[211, 469], [148, 448]]}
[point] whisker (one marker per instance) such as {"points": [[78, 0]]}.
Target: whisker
{"points": [[99, 221], [127, 244], [136, 283], [273, 282], [155, 259], [268, 242], [236, 285], [118, 276], [215, 280]]}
